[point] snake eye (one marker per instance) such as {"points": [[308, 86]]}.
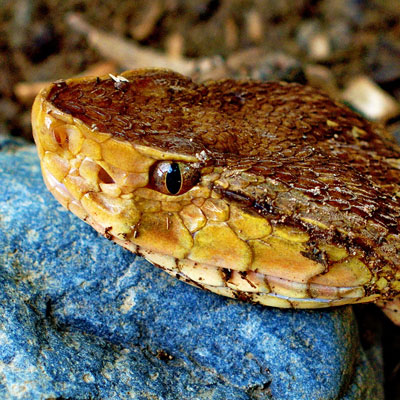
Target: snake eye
{"points": [[173, 178]]}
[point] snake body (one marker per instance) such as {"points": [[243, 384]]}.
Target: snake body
{"points": [[268, 192]]}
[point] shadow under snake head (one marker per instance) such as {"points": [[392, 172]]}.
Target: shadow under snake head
{"points": [[265, 191]]}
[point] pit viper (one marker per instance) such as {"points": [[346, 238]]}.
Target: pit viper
{"points": [[269, 192]]}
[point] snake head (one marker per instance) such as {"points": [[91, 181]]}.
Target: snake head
{"points": [[264, 191]]}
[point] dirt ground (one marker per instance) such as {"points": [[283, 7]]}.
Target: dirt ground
{"points": [[345, 47]]}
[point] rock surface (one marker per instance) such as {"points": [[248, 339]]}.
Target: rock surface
{"points": [[82, 318]]}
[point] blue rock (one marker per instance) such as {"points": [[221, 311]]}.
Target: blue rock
{"points": [[82, 318]]}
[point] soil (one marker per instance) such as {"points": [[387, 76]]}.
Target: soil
{"points": [[325, 43]]}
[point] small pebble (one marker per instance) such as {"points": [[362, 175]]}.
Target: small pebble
{"points": [[319, 46], [369, 99], [254, 26], [314, 40]]}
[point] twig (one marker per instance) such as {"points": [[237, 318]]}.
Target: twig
{"points": [[127, 54], [148, 21], [27, 91]]}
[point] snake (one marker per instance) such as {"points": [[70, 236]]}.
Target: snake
{"points": [[268, 192]]}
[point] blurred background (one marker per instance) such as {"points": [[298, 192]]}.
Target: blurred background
{"points": [[348, 48]]}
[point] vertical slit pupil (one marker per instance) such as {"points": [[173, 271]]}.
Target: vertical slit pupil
{"points": [[173, 179]]}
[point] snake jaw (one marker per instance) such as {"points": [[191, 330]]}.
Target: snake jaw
{"points": [[270, 224]]}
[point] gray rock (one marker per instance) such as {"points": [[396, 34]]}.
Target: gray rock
{"points": [[81, 318]]}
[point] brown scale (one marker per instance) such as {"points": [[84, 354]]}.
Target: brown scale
{"points": [[330, 161]]}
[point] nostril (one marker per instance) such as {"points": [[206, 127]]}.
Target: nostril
{"points": [[104, 177], [60, 135]]}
